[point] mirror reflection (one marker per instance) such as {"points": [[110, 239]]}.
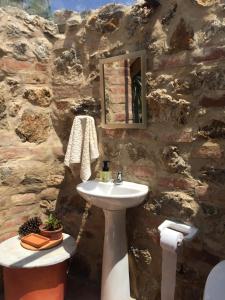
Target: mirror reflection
{"points": [[123, 90]]}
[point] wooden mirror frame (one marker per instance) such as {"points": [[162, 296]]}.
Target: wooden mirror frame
{"points": [[142, 55]]}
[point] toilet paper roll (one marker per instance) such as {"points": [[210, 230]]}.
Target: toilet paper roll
{"points": [[169, 241]]}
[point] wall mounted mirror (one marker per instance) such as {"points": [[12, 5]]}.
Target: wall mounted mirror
{"points": [[123, 91]]}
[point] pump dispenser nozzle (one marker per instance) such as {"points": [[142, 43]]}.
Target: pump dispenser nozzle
{"points": [[105, 165]]}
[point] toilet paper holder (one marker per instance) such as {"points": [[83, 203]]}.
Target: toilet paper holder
{"points": [[188, 231]]}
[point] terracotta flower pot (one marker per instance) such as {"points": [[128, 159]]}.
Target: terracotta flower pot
{"points": [[52, 235]]}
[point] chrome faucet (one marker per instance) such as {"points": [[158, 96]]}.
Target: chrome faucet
{"points": [[119, 179]]}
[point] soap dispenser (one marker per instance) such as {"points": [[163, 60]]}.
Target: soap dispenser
{"points": [[106, 174]]}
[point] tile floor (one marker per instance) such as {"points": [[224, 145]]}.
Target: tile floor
{"points": [[80, 290]]}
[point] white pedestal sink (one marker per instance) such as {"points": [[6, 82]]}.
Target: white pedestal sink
{"points": [[114, 200]]}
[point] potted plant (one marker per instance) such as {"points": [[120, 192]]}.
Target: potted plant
{"points": [[52, 228]]}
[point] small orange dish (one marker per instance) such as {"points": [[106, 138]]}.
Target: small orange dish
{"points": [[35, 240]]}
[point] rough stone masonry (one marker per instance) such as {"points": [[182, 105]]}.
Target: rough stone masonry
{"points": [[50, 73]]}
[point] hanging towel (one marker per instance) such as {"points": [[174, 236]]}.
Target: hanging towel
{"points": [[83, 146]]}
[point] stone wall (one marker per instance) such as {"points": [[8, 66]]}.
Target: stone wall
{"points": [[47, 78], [31, 170]]}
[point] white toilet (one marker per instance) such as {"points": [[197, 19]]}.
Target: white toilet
{"points": [[215, 284]]}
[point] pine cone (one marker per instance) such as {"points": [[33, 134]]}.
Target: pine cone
{"points": [[30, 226]]}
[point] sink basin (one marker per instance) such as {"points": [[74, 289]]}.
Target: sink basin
{"points": [[114, 200], [109, 196]]}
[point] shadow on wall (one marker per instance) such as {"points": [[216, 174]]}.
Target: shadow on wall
{"points": [[75, 94], [78, 218]]}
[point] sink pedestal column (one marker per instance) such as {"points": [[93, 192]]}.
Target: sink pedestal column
{"points": [[115, 268]]}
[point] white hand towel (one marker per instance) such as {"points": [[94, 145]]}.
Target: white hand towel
{"points": [[83, 146]]}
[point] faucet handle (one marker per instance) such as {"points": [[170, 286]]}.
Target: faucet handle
{"points": [[119, 178]]}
